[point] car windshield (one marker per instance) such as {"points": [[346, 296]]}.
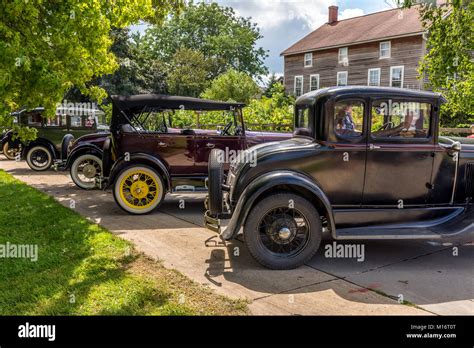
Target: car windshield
{"points": [[162, 120]]}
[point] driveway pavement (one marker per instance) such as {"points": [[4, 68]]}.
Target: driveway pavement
{"points": [[436, 278]]}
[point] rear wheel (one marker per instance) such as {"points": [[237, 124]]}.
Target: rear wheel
{"points": [[10, 152], [39, 158], [139, 189], [85, 169], [283, 231]]}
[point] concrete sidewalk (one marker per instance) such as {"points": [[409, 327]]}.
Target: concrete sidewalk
{"points": [[423, 273]]}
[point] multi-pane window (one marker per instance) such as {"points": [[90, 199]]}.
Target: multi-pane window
{"points": [[393, 118], [298, 86], [385, 49], [396, 76], [308, 60], [314, 82], [342, 78], [374, 77], [343, 56]]}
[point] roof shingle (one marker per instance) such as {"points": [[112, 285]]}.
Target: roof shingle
{"points": [[371, 27]]}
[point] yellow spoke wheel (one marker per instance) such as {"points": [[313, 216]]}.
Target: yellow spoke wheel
{"points": [[139, 190]]}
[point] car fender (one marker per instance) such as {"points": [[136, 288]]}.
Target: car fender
{"points": [[264, 184], [82, 150], [141, 158], [43, 142]]}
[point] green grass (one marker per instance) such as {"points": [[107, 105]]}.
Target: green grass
{"points": [[83, 269]]}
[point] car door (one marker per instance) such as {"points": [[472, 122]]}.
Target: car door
{"points": [[207, 141], [231, 142], [340, 169], [177, 150], [399, 153]]}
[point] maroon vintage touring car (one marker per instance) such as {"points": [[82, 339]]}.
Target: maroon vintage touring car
{"points": [[155, 147]]}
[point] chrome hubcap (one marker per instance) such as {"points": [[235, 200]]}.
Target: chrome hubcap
{"points": [[284, 233]]}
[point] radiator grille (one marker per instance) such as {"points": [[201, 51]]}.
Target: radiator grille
{"points": [[469, 179]]}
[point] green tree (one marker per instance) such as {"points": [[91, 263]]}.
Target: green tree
{"points": [[232, 86], [270, 84], [449, 64], [276, 110], [225, 39], [189, 73], [47, 47]]}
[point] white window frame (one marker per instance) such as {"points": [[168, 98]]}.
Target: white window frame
{"points": [[391, 74], [311, 82], [389, 50], [345, 60], [347, 78], [306, 60], [302, 85], [368, 76]]}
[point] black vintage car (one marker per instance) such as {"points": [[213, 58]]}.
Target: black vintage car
{"points": [[365, 163]]}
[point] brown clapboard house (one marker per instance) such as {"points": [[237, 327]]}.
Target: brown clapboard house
{"points": [[378, 49]]}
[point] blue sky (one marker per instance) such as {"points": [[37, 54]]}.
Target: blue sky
{"points": [[283, 22]]}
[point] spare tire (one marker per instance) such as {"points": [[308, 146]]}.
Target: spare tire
{"points": [[216, 176], [107, 157], [68, 139]]}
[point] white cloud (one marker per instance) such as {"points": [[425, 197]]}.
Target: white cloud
{"points": [[351, 12], [269, 14]]}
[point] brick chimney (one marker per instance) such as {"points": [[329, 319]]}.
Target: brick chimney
{"points": [[333, 14]]}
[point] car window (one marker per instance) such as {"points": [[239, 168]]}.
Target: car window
{"points": [[53, 122], [76, 121], [399, 119], [34, 120], [91, 122], [349, 118]]}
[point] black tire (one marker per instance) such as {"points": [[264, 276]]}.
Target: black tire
{"points": [[68, 139], [46, 158], [214, 184], [258, 238], [106, 157]]}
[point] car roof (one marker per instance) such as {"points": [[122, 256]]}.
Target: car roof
{"points": [[170, 102], [312, 97]]}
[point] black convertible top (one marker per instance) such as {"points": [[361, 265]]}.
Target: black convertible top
{"points": [[169, 102]]}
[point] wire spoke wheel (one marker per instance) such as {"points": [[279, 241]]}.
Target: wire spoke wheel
{"points": [[139, 190], [283, 235], [284, 231], [84, 171]]}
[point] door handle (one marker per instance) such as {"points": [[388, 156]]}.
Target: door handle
{"points": [[162, 144], [373, 147], [210, 145]]}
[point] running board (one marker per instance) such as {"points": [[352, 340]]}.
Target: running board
{"points": [[461, 225]]}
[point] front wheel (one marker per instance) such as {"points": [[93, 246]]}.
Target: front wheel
{"points": [[10, 152], [139, 189], [283, 231], [39, 158], [85, 169]]}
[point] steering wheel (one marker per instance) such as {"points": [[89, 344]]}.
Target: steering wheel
{"points": [[226, 129]]}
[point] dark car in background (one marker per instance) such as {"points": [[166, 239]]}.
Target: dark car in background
{"points": [[54, 135], [157, 146], [365, 163]]}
